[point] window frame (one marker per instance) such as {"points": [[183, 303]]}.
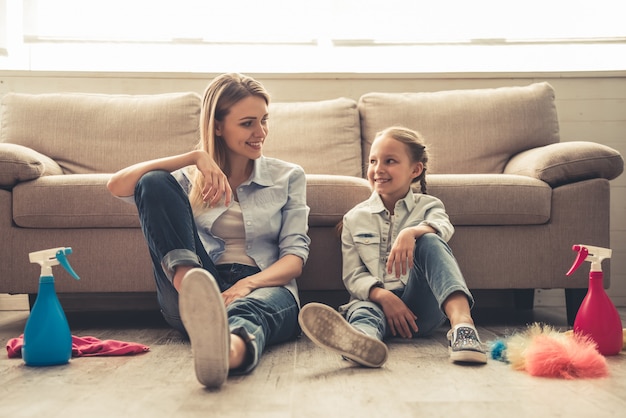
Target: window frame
{"points": [[323, 53]]}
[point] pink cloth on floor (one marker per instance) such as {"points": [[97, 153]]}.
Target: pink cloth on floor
{"points": [[86, 347]]}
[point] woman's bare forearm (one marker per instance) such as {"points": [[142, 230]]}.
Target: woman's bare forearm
{"points": [[123, 182]]}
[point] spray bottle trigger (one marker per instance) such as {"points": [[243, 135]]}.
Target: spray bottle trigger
{"points": [[583, 252], [60, 256]]}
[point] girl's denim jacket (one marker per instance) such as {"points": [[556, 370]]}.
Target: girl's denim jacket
{"points": [[368, 228]]}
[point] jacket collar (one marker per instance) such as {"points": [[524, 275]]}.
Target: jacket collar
{"points": [[261, 173], [376, 204]]}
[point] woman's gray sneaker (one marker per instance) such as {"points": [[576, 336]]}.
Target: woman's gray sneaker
{"points": [[204, 316]]}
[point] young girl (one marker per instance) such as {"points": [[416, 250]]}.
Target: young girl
{"points": [[401, 275], [227, 232]]}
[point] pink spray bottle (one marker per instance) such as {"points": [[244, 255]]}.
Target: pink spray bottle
{"points": [[597, 316]]}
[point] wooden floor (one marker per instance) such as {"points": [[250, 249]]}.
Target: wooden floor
{"points": [[298, 379]]}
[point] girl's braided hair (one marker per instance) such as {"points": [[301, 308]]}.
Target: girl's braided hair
{"points": [[417, 151]]}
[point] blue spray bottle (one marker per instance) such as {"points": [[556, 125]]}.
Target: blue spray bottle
{"points": [[47, 337]]}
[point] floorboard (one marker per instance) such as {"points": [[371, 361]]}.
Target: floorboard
{"points": [[298, 379]]}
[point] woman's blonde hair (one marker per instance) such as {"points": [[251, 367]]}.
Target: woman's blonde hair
{"points": [[220, 95]]}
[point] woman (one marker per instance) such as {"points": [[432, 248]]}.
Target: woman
{"points": [[227, 232]]}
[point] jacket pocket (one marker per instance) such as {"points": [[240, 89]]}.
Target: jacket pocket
{"points": [[368, 246]]}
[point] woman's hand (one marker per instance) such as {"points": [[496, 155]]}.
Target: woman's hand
{"points": [[215, 181], [400, 319], [240, 289], [278, 274]]}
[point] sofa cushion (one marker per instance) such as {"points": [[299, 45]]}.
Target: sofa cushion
{"points": [[18, 163], [70, 201], [331, 196], [83, 201], [467, 131], [323, 137], [492, 199], [98, 133]]}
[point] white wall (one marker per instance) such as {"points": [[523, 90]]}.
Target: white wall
{"points": [[591, 106]]}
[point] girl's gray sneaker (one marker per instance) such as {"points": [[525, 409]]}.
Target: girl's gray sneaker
{"points": [[465, 346], [328, 329]]}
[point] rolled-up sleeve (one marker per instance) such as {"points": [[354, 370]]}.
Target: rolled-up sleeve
{"points": [[293, 238], [436, 217]]}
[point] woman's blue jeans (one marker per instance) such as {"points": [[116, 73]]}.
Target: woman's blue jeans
{"points": [[264, 317], [435, 276]]}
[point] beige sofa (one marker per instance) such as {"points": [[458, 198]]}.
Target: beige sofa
{"points": [[519, 197]]}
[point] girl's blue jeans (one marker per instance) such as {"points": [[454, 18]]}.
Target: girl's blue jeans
{"points": [[264, 317], [435, 276]]}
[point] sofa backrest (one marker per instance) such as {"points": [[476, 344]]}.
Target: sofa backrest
{"points": [[324, 137], [98, 133], [467, 131]]}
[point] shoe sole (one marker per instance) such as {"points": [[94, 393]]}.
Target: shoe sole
{"points": [[329, 330], [467, 356], [204, 316]]}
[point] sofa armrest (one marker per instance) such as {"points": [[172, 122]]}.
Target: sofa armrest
{"points": [[567, 162], [19, 163]]}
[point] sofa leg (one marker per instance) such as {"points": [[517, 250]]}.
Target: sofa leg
{"points": [[573, 299], [32, 297], [524, 299]]}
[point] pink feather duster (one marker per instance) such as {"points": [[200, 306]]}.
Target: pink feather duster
{"points": [[543, 351], [569, 358]]}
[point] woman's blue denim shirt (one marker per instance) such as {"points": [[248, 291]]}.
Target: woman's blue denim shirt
{"points": [[368, 230], [275, 214]]}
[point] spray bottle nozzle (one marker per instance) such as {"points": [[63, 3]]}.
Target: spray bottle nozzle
{"points": [[594, 255], [53, 257]]}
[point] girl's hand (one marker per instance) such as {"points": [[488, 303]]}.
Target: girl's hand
{"points": [[401, 255], [215, 181], [400, 318]]}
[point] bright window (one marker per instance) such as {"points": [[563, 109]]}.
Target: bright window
{"points": [[309, 36], [3, 28]]}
